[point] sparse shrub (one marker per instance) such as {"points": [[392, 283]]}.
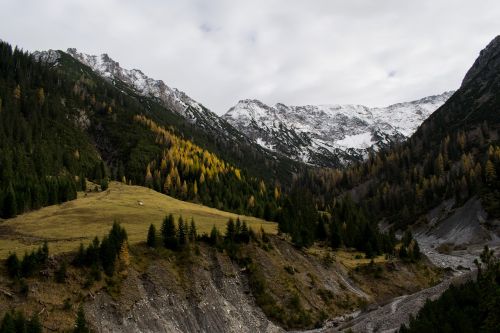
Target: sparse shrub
{"points": [[328, 259], [325, 294], [67, 304], [104, 184], [23, 287]]}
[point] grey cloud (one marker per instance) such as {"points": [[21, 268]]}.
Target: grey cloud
{"points": [[295, 52]]}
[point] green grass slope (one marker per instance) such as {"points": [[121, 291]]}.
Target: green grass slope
{"points": [[66, 225]]}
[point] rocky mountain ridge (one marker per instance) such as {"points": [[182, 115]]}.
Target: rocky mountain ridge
{"points": [[172, 98], [330, 135]]}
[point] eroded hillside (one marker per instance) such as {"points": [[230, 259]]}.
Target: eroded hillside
{"points": [[268, 285]]}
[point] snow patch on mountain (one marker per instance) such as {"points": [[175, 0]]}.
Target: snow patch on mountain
{"points": [[357, 141], [50, 57]]}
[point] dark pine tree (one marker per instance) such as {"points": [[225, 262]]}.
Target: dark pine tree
{"points": [[192, 231], [181, 232], [81, 323], [169, 233], [230, 231], [245, 233], [151, 241], [9, 204], [8, 324], [13, 265], [20, 321], [214, 236], [34, 325]]}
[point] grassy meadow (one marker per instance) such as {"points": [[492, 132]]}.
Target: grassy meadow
{"points": [[66, 225]]}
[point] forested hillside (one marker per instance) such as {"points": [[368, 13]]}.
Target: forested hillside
{"points": [[186, 171], [454, 154], [229, 144], [62, 124], [43, 153]]}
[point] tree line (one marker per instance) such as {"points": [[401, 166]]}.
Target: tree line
{"points": [[105, 254], [177, 236], [344, 224], [16, 322], [30, 264]]}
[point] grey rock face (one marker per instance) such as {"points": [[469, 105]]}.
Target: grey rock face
{"points": [[212, 298], [487, 59]]}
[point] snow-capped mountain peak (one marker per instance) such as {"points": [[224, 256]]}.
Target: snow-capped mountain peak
{"points": [[330, 135], [106, 67], [325, 135], [172, 98]]}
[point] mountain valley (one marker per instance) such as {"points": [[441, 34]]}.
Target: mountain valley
{"points": [[126, 206]]}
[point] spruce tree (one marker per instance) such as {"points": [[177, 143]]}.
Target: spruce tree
{"points": [[43, 252], [192, 231], [230, 231], [8, 325], [60, 274], [19, 322], [335, 238], [181, 232], [108, 256], [34, 325], [104, 184], [151, 241], [79, 259], [169, 233], [321, 229], [214, 236], [81, 324], [13, 265], [416, 251], [237, 228], [9, 203], [244, 234], [83, 183]]}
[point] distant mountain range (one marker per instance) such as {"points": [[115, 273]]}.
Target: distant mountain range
{"points": [[319, 135], [330, 135]]}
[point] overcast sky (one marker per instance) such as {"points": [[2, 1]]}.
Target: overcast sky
{"points": [[372, 52]]}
